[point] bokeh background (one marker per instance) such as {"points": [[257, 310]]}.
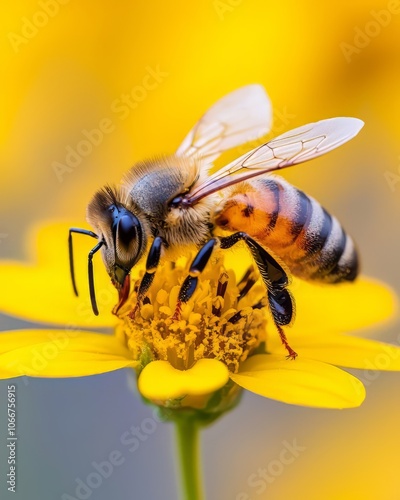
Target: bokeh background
{"points": [[67, 66]]}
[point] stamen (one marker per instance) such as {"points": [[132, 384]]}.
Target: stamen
{"points": [[246, 288], [221, 289], [260, 304], [247, 282], [246, 276], [222, 284], [235, 318]]}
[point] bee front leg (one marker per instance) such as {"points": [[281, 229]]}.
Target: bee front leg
{"points": [[153, 259], [197, 267]]}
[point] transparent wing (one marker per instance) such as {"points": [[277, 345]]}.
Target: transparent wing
{"points": [[291, 148], [239, 117]]}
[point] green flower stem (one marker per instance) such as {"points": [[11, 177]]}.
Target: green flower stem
{"points": [[187, 432]]}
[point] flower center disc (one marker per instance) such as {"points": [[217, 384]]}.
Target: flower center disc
{"points": [[224, 319]]}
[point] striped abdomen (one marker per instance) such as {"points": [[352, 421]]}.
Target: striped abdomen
{"points": [[294, 226]]}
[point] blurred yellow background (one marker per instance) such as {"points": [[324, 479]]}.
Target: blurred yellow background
{"points": [[142, 73]]}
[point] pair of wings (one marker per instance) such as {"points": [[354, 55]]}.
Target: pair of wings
{"points": [[245, 115]]}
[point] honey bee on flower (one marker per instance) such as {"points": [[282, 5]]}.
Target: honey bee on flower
{"points": [[171, 207]]}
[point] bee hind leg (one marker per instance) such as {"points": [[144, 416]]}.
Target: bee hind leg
{"points": [[153, 259], [275, 280]]}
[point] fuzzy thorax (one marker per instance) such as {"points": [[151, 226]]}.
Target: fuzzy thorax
{"points": [[224, 320]]}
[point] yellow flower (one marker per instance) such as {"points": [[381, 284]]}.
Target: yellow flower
{"points": [[216, 344]]}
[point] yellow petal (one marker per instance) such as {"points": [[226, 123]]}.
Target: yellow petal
{"points": [[342, 307], [342, 350], [159, 380], [60, 353], [43, 292], [301, 382]]}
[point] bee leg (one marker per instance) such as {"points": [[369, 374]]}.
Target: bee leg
{"points": [[197, 267], [275, 280], [292, 355], [271, 272], [281, 306], [153, 259]]}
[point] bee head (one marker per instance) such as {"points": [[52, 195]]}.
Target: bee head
{"points": [[120, 229]]}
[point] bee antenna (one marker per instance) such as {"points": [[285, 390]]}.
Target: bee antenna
{"points": [[71, 252], [91, 276]]}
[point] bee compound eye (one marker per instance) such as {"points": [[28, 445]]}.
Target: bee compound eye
{"points": [[127, 229]]}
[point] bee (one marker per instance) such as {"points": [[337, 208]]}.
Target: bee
{"points": [[172, 202]]}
